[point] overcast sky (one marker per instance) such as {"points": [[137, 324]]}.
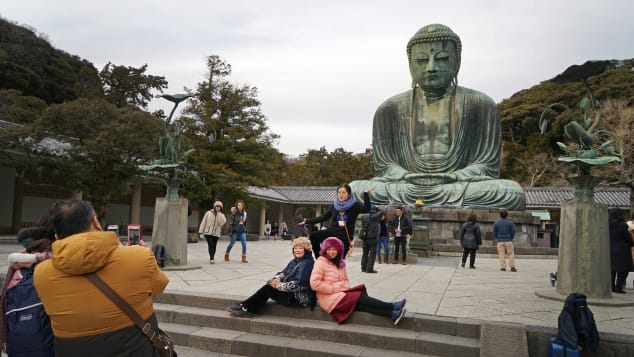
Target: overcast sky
{"points": [[323, 67]]}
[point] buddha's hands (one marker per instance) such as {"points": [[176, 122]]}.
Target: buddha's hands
{"points": [[430, 179], [392, 173]]}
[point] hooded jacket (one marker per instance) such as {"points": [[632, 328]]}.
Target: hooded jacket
{"points": [[76, 307], [329, 280]]}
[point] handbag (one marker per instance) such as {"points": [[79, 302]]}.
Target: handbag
{"points": [[161, 341]]}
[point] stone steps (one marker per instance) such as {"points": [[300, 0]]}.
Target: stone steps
{"points": [[200, 321]]}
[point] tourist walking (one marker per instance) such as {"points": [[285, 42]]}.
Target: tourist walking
{"points": [[238, 229], [504, 233], [383, 243], [211, 228], [470, 240], [289, 287], [334, 294]]}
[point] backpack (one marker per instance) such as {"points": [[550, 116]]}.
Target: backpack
{"points": [[159, 253], [28, 326], [365, 223], [576, 324]]}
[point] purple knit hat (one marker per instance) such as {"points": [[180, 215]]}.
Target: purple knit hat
{"points": [[337, 244]]}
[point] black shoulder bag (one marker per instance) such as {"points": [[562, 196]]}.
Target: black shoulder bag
{"points": [[160, 340]]}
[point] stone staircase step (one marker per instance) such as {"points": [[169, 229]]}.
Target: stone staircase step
{"points": [[415, 334], [452, 326], [252, 344], [184, 351]]}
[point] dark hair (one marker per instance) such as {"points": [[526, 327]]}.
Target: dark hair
{"points": [[72, 217], [35, 233], [503, 213], [298, 212], [472, 217], [244, 205], [616, 214], [346, 186]]}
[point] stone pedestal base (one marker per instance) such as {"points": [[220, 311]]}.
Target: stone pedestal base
{"points": [[584, 250], [419, 242], [170, 228]]}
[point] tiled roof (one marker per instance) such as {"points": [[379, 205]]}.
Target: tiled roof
{"points": [[555, 196], [295, 194], [268, 194], [536, 197], [308, 194]]}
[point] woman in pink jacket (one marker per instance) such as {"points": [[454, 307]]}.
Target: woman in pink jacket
{"points": [[329, 280]]}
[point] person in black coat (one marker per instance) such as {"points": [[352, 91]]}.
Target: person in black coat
{"points": [[470, 240], [370, 230], [342, 214], [620, 250]]}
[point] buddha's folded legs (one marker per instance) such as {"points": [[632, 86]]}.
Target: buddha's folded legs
{"points": [[481, 194]]}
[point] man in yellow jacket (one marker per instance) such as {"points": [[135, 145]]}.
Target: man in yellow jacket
{"points": [[84, 321]]}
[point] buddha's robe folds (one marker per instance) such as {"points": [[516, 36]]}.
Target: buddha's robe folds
{"points": [[466, 175]]}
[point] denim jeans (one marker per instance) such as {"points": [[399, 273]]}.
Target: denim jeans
{"points": [[243, 240], [385, 244]]}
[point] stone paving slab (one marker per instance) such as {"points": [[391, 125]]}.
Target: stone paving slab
{"points": [[434, 286]]}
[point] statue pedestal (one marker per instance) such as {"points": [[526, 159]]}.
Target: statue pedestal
{"points": [[419, 243], [170, 228], [584, 246]]}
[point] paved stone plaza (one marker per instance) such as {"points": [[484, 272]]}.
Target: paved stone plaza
{"points": [[436, 286]]}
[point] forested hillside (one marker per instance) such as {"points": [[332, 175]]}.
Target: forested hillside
{"points": [[29, 64], [530, 157]]}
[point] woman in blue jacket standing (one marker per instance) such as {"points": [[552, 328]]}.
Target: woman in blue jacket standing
{"points": [[238, 229]]}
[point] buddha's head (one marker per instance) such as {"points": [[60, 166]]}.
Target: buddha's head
{"points": [[434, 58]]}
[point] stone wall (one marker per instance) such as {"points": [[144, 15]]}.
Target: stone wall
{"points": [[444, 224]]}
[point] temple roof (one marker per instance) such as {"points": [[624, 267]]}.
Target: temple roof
{"points": [[536, 197]]}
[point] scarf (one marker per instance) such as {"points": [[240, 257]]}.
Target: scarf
{"points": [[344, 205]]}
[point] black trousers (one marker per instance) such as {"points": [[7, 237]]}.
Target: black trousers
{"points": [[472, 253], [212, 241], [319, 236], [402, 242], [260, 297], [618, 279], [374, 306], [369, 254]]}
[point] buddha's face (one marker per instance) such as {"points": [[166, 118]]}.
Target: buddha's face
{"points": [[433, 65]]}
